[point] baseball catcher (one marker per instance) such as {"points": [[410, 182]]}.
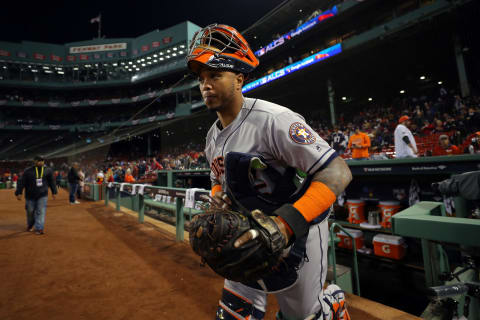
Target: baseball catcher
{"points": [[274, 181]]}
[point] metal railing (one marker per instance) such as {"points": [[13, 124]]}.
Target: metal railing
{"points": [[333, 237], [148, 194]]}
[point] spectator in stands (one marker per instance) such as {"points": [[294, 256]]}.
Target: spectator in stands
{"points": [[58, 178], [439, 127], [155, 165], [81, 183], [109, 175], [142, 167], [405, 145], [474, 146], [100, 177], [338, 140], [14, 180], [427, 128], [472, 120], [359, 143], [36, 180], [128, 176], [73, 181], [444, 147], [135, 170]]}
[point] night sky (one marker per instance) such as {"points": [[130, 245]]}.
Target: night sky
{"points": [[68, 21]]}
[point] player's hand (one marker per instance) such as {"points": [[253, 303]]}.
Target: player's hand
{"points": [[252, 233], [19, 197], [221, 201]]}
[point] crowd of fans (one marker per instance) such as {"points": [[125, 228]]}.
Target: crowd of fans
{"points": [[443, 117], [141, 169], [452, 122]]}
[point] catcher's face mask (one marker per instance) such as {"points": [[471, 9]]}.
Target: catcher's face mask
{"points": [[220, 46]]}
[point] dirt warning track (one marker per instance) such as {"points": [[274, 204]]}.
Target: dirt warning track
{"points": [[94, 263]]}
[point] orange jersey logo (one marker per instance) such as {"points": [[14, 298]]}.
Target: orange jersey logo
{"points": [[218, 167]]}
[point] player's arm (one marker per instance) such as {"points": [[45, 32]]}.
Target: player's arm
{"points": [[326, 185], [409, 144], [20, 186], [311, 154], [51, 184], [349, 143], [367, 143]]}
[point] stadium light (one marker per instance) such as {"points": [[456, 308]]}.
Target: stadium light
{"points": [[181, 52], [143, 64], [402, 91], [174, 48], [148, 58], [167, 57], [254, 37], [422, 78], [155, 60], [182, 46], [143, 59], [33, 70], [149, 62], [300, 10], [439, 82], [122, 63], [46, 67], [138, 69], [60, 72], [370, 99], [344, 98], [134, 66], [174, 54], [130, 62], [155, 55], [48, 71], [75, 68], [114, 64], [161, 53], [161, 59]]}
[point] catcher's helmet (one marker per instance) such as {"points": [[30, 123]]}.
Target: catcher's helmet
{"points": [[221, 47]]}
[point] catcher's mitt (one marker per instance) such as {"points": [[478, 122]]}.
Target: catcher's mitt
{"points": [[213, 234]]}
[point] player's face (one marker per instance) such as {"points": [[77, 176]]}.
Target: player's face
{"points": [[219, 88]]}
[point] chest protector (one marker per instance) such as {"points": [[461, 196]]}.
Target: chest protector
{"points": [[240, 175]]}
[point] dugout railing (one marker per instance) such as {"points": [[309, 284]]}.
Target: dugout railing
{"points": [[138, 197]]}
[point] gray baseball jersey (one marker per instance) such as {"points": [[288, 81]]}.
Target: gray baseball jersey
{"points": [[283, 139], [276, 133]]}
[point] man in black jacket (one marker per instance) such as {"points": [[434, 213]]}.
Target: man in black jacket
{"points": [[36, 180], [73, 181]]}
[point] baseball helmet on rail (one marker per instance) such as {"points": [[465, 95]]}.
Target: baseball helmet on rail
{"points": [[220, 46]]}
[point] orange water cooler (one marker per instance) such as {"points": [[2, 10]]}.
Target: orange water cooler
{"points": [[387, 210], [389, 246], [356, 211]]}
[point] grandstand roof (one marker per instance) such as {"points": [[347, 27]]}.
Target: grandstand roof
{"points": [[281, 18]]}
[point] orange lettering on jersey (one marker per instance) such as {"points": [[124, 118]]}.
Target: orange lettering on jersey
{"points": [[218, 167]]}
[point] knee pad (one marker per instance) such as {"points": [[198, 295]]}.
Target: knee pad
{"points": [[234, 306]]}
